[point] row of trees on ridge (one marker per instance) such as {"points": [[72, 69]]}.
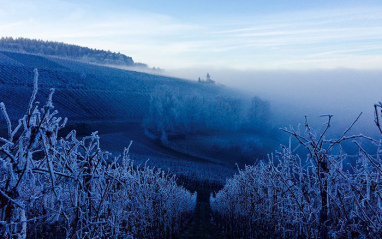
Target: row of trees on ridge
{"points": [[59, 49]]}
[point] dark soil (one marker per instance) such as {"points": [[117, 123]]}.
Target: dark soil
{"points": [[202, 226]]}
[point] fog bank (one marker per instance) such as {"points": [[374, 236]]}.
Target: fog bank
{"points": [[345, 93]]}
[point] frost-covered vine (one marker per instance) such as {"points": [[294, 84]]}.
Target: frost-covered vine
{"points": [[315, 197], [70, 188]]}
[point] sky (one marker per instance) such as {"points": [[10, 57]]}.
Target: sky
{"points": [[241, 35]]}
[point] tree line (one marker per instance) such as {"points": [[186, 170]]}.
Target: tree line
{"points": [[174, 111], [59, 49]]}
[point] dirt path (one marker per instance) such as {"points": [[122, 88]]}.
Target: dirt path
{"points": [[201, 226]]}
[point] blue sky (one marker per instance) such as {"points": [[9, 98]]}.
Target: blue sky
{"points": [[240, 35]]}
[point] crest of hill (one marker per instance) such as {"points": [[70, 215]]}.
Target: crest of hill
{"points": [[63, 50]]}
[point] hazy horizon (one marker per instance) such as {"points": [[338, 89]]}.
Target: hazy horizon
{"points": [[344, 93]]}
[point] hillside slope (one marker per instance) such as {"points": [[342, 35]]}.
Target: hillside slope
{"points": [[84, 92], [104, 99]]}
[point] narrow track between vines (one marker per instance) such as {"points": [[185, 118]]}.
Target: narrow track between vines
{"points": [[201, 226]]}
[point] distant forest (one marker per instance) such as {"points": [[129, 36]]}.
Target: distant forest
{"points": [[59, 49]]}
